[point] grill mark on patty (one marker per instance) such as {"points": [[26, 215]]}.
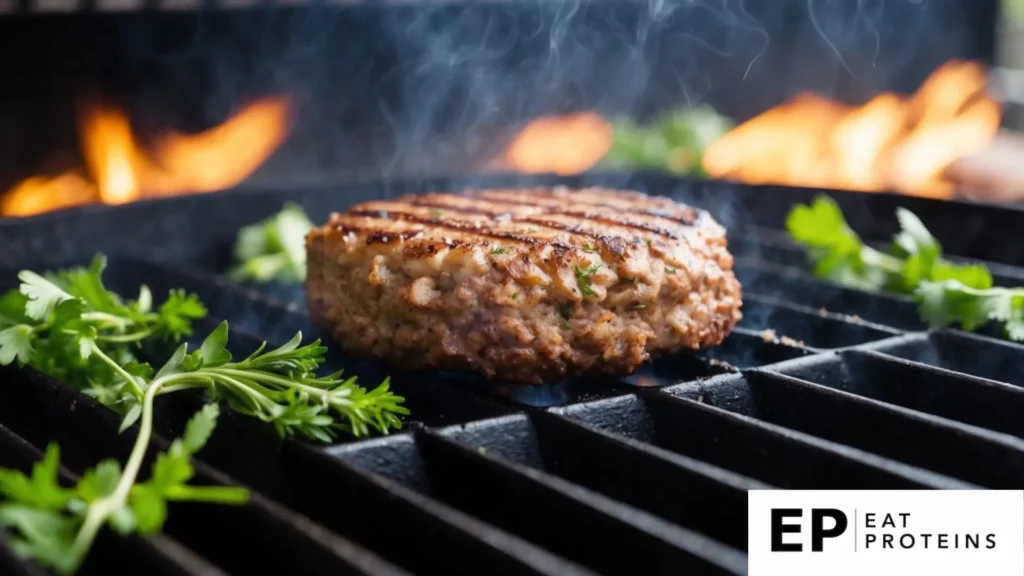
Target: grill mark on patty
{"points": [[529, 207], [513, 197], [445, 203], [614, 244], [464, 227], [600, 218], [451, 204]]}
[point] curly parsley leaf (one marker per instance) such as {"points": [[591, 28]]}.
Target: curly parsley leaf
{"points": [[946, 292]]}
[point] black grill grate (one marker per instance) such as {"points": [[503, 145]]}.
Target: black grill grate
{"points": [[820, 387]]}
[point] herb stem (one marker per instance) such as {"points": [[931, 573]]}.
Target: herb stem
{"points": [[882, 260], [101, 510], [94, 349], [108, 318], [258, 377], [127, 338]]}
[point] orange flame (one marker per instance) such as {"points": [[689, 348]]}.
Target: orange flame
{"points": [[123, 171], [890, 143], [561, 144]]}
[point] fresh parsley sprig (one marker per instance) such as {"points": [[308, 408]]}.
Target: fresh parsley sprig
{"points": [[946, 292], [273, 249], [57, 525], [280, 386], [71, 338], [68, 325]]}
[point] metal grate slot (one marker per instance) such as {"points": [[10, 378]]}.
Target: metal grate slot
{"points": [[745, 348], [425, 535], [806, 326], [569, 520], [772, 454], [965, 452], [684, 491], [266, 536], [669, 370], [968, 399], [799, 286], [966, 353], [765, 248]]}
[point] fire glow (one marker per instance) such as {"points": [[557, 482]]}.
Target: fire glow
{"points": [[893, 142], [121, 170], [561, 145]]}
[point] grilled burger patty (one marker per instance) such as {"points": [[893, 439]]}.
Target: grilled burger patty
{"points": [[524, 286]]}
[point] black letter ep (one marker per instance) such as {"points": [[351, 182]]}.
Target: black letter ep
{"points": [[778, 529], [818, 532]]}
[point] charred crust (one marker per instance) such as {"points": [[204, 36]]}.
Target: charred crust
{"points": [[470, 318]]}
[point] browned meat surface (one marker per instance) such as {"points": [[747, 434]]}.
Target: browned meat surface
{"points": [[524, 286]]}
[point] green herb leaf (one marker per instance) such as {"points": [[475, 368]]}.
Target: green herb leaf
{"points": [[583, 279], [43, 296], [16, 343], [56, 526], [946, 292], [273, 249], [70, 327]]}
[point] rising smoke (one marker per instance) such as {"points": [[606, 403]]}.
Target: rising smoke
{"points": [[389, 88]]}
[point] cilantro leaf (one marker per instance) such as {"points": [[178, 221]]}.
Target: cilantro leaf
{"points": [[273, 249], [16, 343], [946, 292], [836, 250], [42, 295]]}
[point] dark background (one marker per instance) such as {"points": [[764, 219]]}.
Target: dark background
{"points": [[382, 88]]}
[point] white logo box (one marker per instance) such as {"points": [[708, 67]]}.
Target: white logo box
{"points": [[897, 532]]}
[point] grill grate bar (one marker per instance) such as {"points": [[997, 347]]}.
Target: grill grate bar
{"points": [[265, 535], [555, 514], [745, 348], [773, 454], [965, 452], [681, 490], [969, 354], [780, 455], [405, 524], [960, 397], [794, 285], [807, 326]]}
